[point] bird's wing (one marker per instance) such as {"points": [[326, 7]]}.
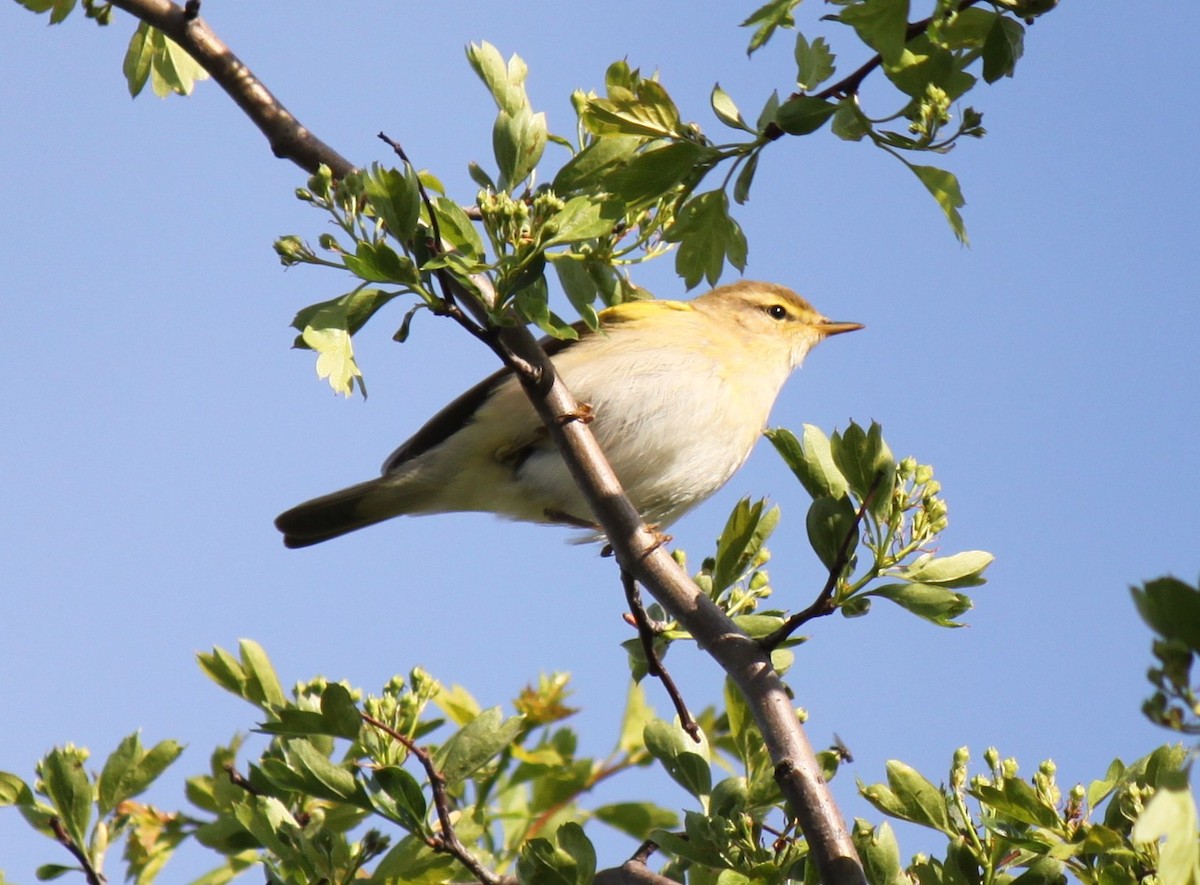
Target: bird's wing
{"points": [[461, 410]]}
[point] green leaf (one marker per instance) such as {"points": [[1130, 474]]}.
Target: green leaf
{"points": [[571, 839], [767, 19], [649, 112], [50, 871], [944, 187], [960, 570], [933, 603], [814, 62], [518, 141], [867, 463], [321, 777], [14, 791], [1017, 800], [830, 522], [395, 198], [680, 756], [340, 712], [638, 713], [881, 24], [637, 819], [474, 745], [506, 82], [262, 683], [138, 58], [380, 263], [457, 229], [580, 288], [413, 862], [396, 794], [1171, 814], [1171, 608], [726, 110], [1003, 47], [804, 114], [909, 796], [811, 460], [745, 532], [707, 236], [66, 784], [582, 218], [129, 770], [650, 174], [741, 185], [880, 853], [172, 69], [590, 165], [849, 122]]}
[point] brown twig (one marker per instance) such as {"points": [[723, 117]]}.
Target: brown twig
{"points": [[823, 604], [634, 871], [93, 875], [448, 842], [654, 664]]}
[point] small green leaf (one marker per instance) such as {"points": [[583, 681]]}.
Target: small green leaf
{"points": [[340, 712], [1003, 47], [321, 777], [811, 460], [518, 141], [881, 24], [726, 110], [138, 58], [849, 122], [506, 82], [571, 839], [909, 796], [649, 112], [595, 161], [1171, 814], [1171, 608], [741, 186], [746, 530], [457, 229], [67, 786], [831, 529], [638, 713], [13, 790], [262, 682], [960, 570], [50, 871], [637, 819], [804, 114], [707, 236], [1017, 800], [867, 463], [474, 745], [651, 173], [680, 756], [129, 770], [931, 602], [582, 218], [880, 853], [944, 187], [814, 62], [396, 794], [767, 19], [580, 288], [395, 198]]}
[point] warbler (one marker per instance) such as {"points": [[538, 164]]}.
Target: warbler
{"points": [[679, 392]]}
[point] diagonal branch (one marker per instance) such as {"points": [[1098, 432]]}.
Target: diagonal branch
{"points": [[638, 548]]}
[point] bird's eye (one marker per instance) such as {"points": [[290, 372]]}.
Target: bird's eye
{"points": [[777, 312]]}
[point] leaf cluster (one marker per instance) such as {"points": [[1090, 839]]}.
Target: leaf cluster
{"points": [[998, 823], [1172, 610]]}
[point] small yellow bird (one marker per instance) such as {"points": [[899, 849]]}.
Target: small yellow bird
{"points": [[679, 390]]}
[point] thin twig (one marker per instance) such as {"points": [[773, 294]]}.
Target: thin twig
{"points": [[93, 875], [654, 664], [448, 842], [823, 604]]}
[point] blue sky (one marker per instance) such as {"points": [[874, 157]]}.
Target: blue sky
{"points": [[155, 419]]}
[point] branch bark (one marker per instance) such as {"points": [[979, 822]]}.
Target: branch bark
{"points": [[637, 547]]}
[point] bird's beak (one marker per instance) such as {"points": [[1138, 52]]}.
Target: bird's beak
{"points": [[825, 328]]}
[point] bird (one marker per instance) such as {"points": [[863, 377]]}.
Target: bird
{"points": [[678, 393]]}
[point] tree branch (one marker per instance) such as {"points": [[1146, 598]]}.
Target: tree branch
{"points": [[93, 875], [638, 548]]}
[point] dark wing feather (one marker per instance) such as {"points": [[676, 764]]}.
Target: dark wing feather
{"points": [[459, 412]]}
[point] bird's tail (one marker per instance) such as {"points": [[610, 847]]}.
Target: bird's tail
{"points": [[338, 513]]}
